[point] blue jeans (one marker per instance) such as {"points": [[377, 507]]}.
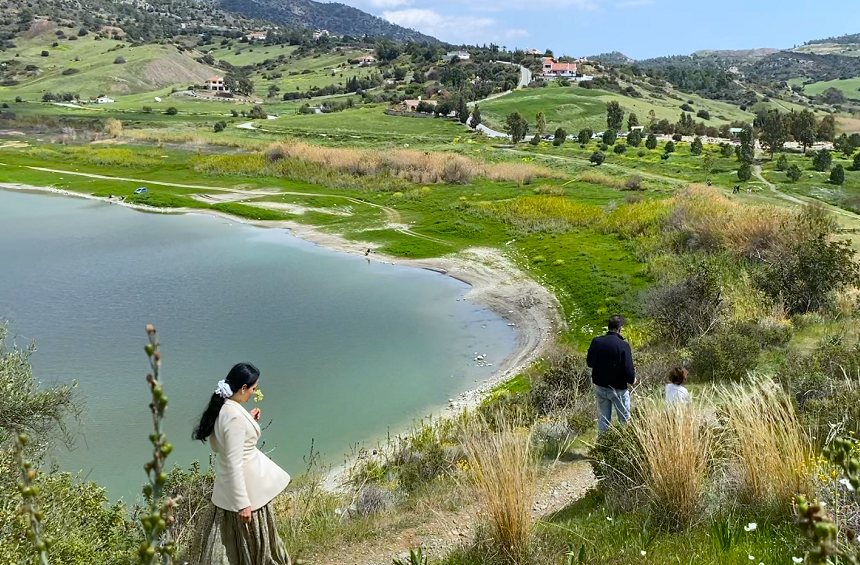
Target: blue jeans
{"points": [[607, 398]]}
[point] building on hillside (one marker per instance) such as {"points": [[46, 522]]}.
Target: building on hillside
{"points": [[736, 132], [256, 36], [216, 84], [412, 105], [534, 52], [104, 100], [637, 128], [553, 69], [366, 61], [462, 55], [321, 33]]}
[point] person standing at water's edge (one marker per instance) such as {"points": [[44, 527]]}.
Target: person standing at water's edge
{"points": [[238, 527], [611, 363]]}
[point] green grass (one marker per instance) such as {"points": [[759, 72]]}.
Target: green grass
{"points": [[851, 87], [574, 108]]}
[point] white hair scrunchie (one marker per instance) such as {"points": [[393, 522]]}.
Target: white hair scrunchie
{"points": [[224, 390]]}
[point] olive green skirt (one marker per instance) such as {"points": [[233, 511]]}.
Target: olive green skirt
{"points": [[223, 539]]}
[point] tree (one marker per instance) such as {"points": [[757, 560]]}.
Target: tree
{"points": [[803, 128], [219, 126], [745, 151], [597, 158], [781, 163], [620, 148], [708, 162], [833, 96], [670, 147], [651, 142], [119, 61], [793, 173], [475, 120], [632, 121], [774, 132], [257, 113], [535, 140], [696, 146], [238, 83], [584, 136], [541, 123], [44, 54], [821, 161], [856, 165], [609, 136], [744, 172], [837, 175], [704, 114], [462, 110], [614, 116], [18, 99], [847, 144], [172, 111], [827, 128], [634, 138], [518, 127], [559, 137]]}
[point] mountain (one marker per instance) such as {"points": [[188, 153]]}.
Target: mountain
{"points": [[150, 20], [612, 58], [737, 54], [339, 19]]}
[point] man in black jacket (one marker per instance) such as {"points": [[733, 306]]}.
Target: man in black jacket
{"points": [[611, 363]]}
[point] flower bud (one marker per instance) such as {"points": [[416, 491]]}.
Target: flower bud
{"points": [[149, 349]]}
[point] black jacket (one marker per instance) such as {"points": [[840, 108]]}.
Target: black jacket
{"points": [[611, 362]]}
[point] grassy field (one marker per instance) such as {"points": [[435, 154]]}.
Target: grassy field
{"points": [[574, 108], [851, 87]]}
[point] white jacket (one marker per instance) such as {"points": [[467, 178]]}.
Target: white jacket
{"points": [[245, 476], [676, 393]]}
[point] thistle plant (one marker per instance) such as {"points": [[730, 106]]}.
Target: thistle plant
{"points": [[159, 514], [30, 505]]}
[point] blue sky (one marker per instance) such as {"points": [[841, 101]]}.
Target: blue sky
{"points": [[637, 28]]}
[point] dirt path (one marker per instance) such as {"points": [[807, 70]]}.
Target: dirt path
{"points": [[395, 220], [561, 485], [773, 189]]}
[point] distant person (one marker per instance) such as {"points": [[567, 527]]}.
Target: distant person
{"points": [[238, 527], [611, 363], [675, 390]]}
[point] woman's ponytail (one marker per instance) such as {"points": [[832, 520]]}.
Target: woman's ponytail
{"points": [[243, 374]]}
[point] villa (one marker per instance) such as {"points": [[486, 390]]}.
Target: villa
{"points": [[216, 83], [553, 69]]}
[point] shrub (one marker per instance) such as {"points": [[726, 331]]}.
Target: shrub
{"points": [[634, 182], [505, 473], [371, 500], [597, 158], [71, 71], [564, 380], [113, 127], [677, 137], [119, 61], [837, 175], [641, 153], [146, 109], [696, 146], [603, 147], [670, 147], [559, 137], [535, 141], [615, 459], [234, 113], [793, 173], [634, 138], [172, 111], [821, 160], [675, 453], [651, 141], [726, 354], [619, 148], [781, 163], [704, 114], [18, 99], [609, 137], [584, 136], [257, 113], [45, 53], [855, 166]]}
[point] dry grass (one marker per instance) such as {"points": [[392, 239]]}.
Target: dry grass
{"points": [[195, 137], [601, 179], [505, 473], [772, 450], [676, 451], [709, 220], [113, 127]]}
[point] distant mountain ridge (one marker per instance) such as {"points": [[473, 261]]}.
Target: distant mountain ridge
{"points": [[748, 54]]}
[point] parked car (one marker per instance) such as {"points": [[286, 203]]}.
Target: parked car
{"points": [[140, 190]]}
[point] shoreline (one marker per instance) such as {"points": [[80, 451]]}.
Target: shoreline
{"points": [[496, 283]]}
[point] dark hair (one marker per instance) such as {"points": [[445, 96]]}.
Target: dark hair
{"points": [[617, 322], [678, 375], [242, 374]]}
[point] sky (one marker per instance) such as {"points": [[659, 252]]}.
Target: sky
{"points": [[638, 28]]}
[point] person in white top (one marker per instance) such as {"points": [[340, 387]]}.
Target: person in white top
{"points": [[675, 390], [238, 527]]}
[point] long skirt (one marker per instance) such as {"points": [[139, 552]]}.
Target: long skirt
{"points": [[222, 538]]}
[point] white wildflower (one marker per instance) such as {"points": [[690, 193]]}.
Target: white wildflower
{"points": [[750, 527], [846, 483], [643, 553], [797, 559], [751, 557]]}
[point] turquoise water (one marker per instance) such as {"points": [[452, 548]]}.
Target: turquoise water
{"points": [[346, 348]]}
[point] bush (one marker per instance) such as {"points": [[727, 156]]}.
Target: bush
{"points": [[603, 147], [559, 137], [704, 114], [634, 138], [597, 158], [677, 137], [821, 160], [69, 72], [257, 113], [651, 141], [793, 173], [781, 163], [634, 182], [535, 141], [724, 355], [45, 53], [147, 109], [684, 310], [696, 146], [234, 113], [619, 148], [18, 99], [855, 166], [837, 175], [172, 111], [565, 379], [113, 127], [609, 137], [119, 61], [219, 126], [641, 153], [614, 460], [670, 147]]}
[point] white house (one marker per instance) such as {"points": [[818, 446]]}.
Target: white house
{"points": [[216, 83], [256, 35], [462, 55], [553, 69], [104, 100], [366, 61]]}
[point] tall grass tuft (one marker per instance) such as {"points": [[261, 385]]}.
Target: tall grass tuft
{"points": [[676, 448], [771, 449], [505, 472]]}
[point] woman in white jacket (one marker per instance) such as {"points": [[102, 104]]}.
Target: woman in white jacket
{"points": [[238, 527]]}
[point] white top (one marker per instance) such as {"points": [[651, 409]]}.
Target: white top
{"points": [[676, 393], [245, 476]]}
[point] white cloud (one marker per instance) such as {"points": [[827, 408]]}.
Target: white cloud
{"points": [[389, 3], [634, 3], [455, 29]]}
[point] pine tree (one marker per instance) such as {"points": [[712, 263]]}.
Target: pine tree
{"points": [[559, 137], [634, 138], [585, 136], [475, 120], [651, 142], [518, 127], [696, 146], [774, 132], [632, 121], [793, 173], [781, 163], [541, 123], [744, 172], [614, 116], [462, 110], [670, 147], [822, 160], [837, 175]]}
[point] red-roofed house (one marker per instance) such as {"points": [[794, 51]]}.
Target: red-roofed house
{"points": [[216, 84], [553, 69]]}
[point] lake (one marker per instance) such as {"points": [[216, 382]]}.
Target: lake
{"points": [[347, 349]]}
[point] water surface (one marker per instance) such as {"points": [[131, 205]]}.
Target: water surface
{"points": [[346, 348]]}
